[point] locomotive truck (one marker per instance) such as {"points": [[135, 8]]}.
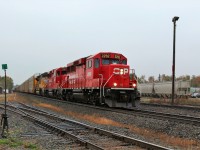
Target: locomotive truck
{"points": [[101, 79]]}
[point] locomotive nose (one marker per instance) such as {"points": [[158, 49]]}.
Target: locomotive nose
{"points": [[120, 76]]}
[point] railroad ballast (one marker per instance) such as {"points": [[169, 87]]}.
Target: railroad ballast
{"points": [[103, 79]]}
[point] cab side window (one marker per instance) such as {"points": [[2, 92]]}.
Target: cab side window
{"points": [[58, 73], [89, 64], [54, 73], [96, 62]]}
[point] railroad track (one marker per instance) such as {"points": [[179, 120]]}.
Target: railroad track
{"points": [[167, 116], [172, 106], [139, 112], [89, 136]]}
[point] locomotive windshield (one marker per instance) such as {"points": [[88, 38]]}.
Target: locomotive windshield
{"points": [[124, 62], [112, 61]]}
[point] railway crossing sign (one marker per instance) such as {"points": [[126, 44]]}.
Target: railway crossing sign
{"points": [[4, 66]]}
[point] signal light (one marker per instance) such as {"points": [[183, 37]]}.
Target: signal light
{"points": [[115, 84]]}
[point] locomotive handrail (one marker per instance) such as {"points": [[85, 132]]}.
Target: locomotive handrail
{"points": [[107, 82], [135, 77], [101, 86]]}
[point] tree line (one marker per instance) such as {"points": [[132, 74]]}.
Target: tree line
{"points": [[194, 80], [9, 82]]}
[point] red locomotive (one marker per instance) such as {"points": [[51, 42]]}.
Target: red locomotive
{"points": [[103, 78]]}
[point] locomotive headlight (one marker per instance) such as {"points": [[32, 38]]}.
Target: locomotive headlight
{"points": [[121, 71], [134, 85], [115, 84]]}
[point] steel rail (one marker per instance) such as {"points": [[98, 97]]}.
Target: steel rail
{"points": [[56, 129], [140, 112], [123, 138], [172, 106], [177, 118]]}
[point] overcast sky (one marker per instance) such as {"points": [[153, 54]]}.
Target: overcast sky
{"points": [[39, 35]]}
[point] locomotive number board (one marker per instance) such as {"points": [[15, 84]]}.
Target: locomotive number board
{"points": [[110, 56], [117, 56], [105, 55]]}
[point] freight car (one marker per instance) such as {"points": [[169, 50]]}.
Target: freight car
{"points": [[101, 79], [27, 86], [164, 89]]}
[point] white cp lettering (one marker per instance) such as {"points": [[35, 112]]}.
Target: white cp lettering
{"points": [[120, 71]]}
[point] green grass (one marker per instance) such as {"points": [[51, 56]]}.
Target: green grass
{"points": [[30, 146], [13, 143], [4, 141]]}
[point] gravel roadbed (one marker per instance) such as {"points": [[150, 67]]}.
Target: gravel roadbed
{"points": [[163, 132], [177, 111], [31, 136]]}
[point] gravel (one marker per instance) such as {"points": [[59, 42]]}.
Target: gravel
{"points": [[31, 136], [177, 111], [163, 132]]}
